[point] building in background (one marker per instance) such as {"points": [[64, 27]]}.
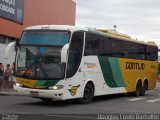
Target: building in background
{"points": [[15, 15]]}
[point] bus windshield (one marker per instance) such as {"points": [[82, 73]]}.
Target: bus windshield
{"points": [[39, 55], [41, 37], [39, 63]]}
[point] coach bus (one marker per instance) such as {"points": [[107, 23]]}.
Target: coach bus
{"points": [[55, 62]]}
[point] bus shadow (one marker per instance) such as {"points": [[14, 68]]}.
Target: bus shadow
{"points": [[119, 96], [52, 104], [73, 102], [109, 97]]}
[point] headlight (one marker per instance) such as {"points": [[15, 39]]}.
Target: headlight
{"points": [[56, 87], [18, 85]]}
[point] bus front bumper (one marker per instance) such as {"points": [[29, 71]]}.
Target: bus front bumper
{"points": [[40, 93]]}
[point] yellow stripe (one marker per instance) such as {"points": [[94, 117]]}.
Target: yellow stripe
{"points": [[28, 82]]}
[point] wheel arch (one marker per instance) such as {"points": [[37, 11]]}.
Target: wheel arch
{"points": [[136, 83], [146, 82], [89, 81]]}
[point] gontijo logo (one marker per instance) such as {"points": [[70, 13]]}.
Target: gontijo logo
{"points": [[135, 66]]}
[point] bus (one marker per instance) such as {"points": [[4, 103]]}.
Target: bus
{"points": [[57, 62]]}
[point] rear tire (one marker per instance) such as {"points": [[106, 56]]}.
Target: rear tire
{"points": [[144, 88], [138, 91], [88, 94]]}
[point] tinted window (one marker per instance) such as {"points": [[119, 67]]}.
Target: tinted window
{"points": [[106, 46], [116, 47], [151, 53], [75, 53], [92, 44], [45, 37]]}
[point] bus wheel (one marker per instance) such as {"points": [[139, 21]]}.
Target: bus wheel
{"points": [[88, 94], [144, 88], [138, 89], [47, 100]]}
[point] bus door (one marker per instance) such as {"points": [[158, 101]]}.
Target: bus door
{"points": [[74, 75]]}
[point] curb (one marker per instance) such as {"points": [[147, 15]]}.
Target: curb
{"points": [[7, 93]]}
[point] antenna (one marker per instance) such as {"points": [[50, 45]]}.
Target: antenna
{"points": [[115, 27]]}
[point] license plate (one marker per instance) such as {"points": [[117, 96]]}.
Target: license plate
{"points": [[32, 93]]}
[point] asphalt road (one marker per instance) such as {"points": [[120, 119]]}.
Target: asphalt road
{"points": [[27, 108]]}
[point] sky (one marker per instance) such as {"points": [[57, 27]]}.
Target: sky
{"points": [[138, 18]]}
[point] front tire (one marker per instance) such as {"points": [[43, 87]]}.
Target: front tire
{"points": [[88, 94]]}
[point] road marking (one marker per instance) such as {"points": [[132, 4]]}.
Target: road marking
{"points": [[136, 99], [154, 100]]}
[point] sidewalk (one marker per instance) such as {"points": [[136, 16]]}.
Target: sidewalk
{"points": [[6, 88]]}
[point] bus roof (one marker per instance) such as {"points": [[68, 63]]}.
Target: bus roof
{"points": [[104, 32], [115, 34], [56, 27]]}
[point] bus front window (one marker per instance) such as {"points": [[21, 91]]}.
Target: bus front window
{"points": [[40, 63], [39, 55], [41, 37]]}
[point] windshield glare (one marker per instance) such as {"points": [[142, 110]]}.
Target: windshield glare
{"points": [[39, 37], [40, 62]]}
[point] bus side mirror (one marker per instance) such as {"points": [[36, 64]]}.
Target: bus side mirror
{"points": [[17, 43], [10, 47], [64, 52]]}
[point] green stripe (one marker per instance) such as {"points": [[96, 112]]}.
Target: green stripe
{"points": [[41, 82], [116, 71], [47, 82], [111, 71]]}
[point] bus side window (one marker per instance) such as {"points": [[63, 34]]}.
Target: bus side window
{"points": [[151, 53], [92, 45]]}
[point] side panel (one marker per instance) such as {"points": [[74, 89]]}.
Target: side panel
{"points": [[117, 75], [133, 70], [74, 86], [111, 71], [90, 70], [104, 73]]}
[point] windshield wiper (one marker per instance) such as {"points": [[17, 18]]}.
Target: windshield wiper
{"points": [[24, 75]]}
